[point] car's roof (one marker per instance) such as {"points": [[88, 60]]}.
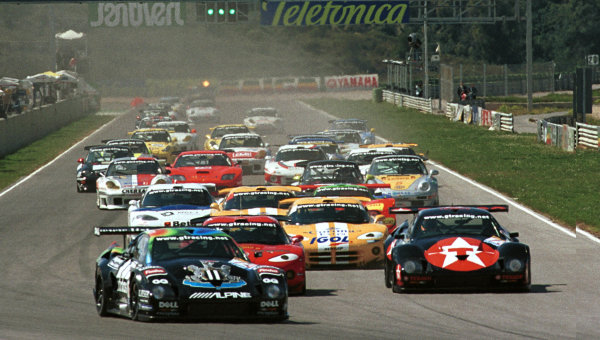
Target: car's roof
{"points": [[454, 210], [399, 157], [331, 161], [241, 135], [171, 122], [150, 130], [169, 186], [373, 150], [125, 141]]}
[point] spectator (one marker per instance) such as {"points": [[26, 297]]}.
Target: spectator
{"points": [[472, 92], [462, 91], [418, 90]]}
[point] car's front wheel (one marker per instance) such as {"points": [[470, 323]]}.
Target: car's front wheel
{"points": [[134, 304], [389, 275], [101, 298]]}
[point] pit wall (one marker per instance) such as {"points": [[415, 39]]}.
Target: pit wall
{"points": [[19, 130]]}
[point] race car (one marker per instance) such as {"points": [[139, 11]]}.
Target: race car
{"points": [[171, 205], [202, 110], [336, 231], [256, 200], [327, 144], [217, 132], [411, 184], [266, 243], [159, 142], [206, 167], [346, 139], [150, 116], [126, 179], [375, 206], [289, 162], [186, 139], [364, 156], [185, 273], [360, 125], [95, 162], [455, 247], [330, 172], [247, 149], [137, 146], [264, 120]]}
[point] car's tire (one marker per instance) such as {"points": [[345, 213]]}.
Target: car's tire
{"points": [[101, 295], [134, 303], [78, 188], [389, 275]]}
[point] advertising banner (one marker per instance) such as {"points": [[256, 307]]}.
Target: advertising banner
{"points": [[355, 81], [486, 117], [136, 14], [319, 13]]}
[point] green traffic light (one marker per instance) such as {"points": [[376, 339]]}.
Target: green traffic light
{"points": [[210, 11], [221, 11], [232, 11]]}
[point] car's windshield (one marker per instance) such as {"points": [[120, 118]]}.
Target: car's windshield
{"points": [[331, 173], [235, 142], [346, 137], [202, 160], [135, 146], [255, 199], [152, 136], [160, 198], [220, 132], [398, 167], [263, 112], [329, 212], [364, 158], [170, 247], [104, 156], [134, 167], [342, 191], [300, 154], [457, 224], [254, 232]]}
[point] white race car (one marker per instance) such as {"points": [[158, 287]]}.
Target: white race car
{"points": [[246, 149], [202, 110], [347, 139], [186, 138], [127, 179], [171, 205], [289, 161], [264, 120]]}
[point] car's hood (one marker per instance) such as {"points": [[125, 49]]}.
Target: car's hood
{"points": [[258, 120], [175, 208], [133, 180], [337, 234], [399, 182], [263, 253]]}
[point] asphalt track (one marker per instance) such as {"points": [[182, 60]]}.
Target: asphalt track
{"points": [[47, 254]]}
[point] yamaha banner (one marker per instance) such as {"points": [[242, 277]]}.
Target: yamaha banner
{"points": [[316, 13]]}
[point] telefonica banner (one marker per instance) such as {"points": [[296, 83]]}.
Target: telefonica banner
{"points": [[137, 14], [314, 13]]}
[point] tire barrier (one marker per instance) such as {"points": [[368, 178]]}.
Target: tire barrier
{"points": [[471, 114]]}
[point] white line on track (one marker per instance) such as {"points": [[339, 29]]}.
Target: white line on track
{"points": [[492, 192]]}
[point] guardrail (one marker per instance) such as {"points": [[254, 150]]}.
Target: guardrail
{"points": [[471, 114], [587, 135], [403, 100]]}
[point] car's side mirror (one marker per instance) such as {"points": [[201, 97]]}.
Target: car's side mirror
{"points": [[434, 172], [513, 235], [296, 239]]}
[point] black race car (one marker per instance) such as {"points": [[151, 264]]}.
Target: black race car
{"points": [[451, 247], [137, 146], [331, 172], [191, 273], [95, 162]]}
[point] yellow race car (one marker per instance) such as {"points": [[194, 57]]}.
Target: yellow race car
{"points": [[256, 200], [337, 231], [214, 137], [159, 142]]}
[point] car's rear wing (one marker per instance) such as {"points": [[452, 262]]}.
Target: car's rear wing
{"points": [[414, 210], [389, 145], [122, 230], [312, 187]]}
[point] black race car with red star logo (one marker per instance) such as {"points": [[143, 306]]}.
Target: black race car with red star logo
{"points": [[451, 247]]}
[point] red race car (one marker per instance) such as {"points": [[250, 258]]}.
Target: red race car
{"points": [[206, 167], [266, 243]]}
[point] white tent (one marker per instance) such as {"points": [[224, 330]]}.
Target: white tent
{"points": [[69, 35]]}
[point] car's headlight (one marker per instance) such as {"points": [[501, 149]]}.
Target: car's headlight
{"points": [[284, 258], [372, 236], [514, 265], [412, 266], [179, 178], [273, 291], [424, 186], [158, 292], [112, 185], [227, 177]]}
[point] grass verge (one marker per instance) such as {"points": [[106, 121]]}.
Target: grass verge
{"points": [[30, 158], [558, 184]]}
